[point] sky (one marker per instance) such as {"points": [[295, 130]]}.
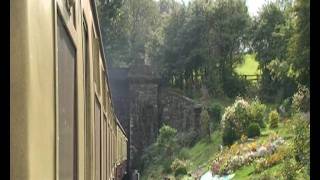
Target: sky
{"points": [[253, 5]]}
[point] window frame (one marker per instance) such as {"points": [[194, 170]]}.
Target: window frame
{"points": [[60, 12]]}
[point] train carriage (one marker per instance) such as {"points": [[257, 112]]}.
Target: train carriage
{"points": [[62, 123]]}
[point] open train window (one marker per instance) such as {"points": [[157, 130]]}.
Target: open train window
{"points": [[97, 118], [67, 138]]}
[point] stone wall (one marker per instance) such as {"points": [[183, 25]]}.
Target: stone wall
{"points": [[179, 112], [143, 113]]}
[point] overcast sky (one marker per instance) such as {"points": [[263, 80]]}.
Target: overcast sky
{"points": [[253, 5]]}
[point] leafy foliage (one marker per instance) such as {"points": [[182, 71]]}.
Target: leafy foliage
{"points": [[215, 111], [205, 124], [237, 118], [286, 107], [257, 111], [299, 44], [179, 167], [166, 139], [253, 130], [129, 28], [235, 121], [274, 119], [271, 33], [301, 100], [301, 141]]}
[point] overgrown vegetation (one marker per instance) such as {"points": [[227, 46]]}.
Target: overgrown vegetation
{"points": [[238, 117], [211, 43], [273, 119]]}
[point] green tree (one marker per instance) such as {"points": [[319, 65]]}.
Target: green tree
{"points": [[166, 139], [228, 22], [299, 45], [128, 29], [270, 35]]}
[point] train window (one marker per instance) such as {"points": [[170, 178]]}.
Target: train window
{"points": [[104, 147], [96, 59], [104, 95], [97, 139], [87, 99], [66, 107], [110, 146], [108, 150]]}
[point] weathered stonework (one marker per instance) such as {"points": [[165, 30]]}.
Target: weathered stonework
{"points": [[143, 106], [178, 111]]}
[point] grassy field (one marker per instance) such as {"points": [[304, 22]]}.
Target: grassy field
{"points": [[249, 66]]}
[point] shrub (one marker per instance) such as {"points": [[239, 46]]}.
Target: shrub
{"points": [[301, 141], [301, 100], [237, 118], [166, 139], [215, 112], [215, 168], [253, 130], [229, 136], [244, 138], [150, 155], [166, 165], [286, 107], [179, 167], [273, 119], [271, 160], [289, 170], [256, 112], [234, 121]]}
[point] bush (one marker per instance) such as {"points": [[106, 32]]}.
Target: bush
{"points": [[237, 118], [150, 155], [235, 121], [215, 112], [179, 167], [286, 107], [301, 141], [256, 112], [301, 100], [273, 119], [253, 130], [166, 139], [229, 136], [166, 165]]}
